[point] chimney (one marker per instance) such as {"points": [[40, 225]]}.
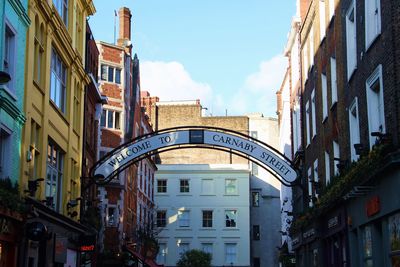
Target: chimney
{"points": [[124, 36]]}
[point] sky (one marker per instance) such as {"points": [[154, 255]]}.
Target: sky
{"points": [[227, 53]]}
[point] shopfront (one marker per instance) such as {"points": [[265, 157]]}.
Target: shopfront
{"points": [[10, 235]]}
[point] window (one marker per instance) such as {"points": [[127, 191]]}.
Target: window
{"points": [[9, 54], [312, 46], [184, 186], [230, 186], [55, 165], [296, 127], [308, 115], [184, 218], [112, 216], [35, 146], [254, 168], [351, 39], [162, 253], [230, 253], [5, 139], [331, 8], [310, 188], [394, 233], [327, 168], [207, 218], [207, 186], [230, 218], [39, 51], [324, 97], [256, 232], [118, 76], [313, 114], [256, 262], [354, 127], [316, 178], [182, 248], [336, 157], [62, 8], [333, 79], [376, 114], [111, 119], [367, 240], [372, 21], [58, 81], [255, 199], [207, 248], [110, 74], [322, 24], [305, 61], [161, 218], [161, 186], [77, 107]]}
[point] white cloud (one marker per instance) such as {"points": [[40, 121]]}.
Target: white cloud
{"points": [[171, 81], [258, 93]]}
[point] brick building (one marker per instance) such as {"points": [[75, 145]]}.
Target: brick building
{"points": [[122, 120], [346, 212]]}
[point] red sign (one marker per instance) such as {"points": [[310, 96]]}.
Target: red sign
{"points": [[87, 248], [373, 206]]}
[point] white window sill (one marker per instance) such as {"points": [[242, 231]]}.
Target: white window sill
{"points": [[207, 229]]}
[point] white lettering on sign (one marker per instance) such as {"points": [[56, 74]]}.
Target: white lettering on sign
{"points": [[273, 160], [126, 154], [269, 157]]}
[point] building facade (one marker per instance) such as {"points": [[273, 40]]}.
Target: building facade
{"points": [[264, 188], [205, 207], [13, 27], [52, 137], [346, 213]]}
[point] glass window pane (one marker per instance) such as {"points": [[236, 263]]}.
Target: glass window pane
{"points": [[110, 74], [117, 76]]}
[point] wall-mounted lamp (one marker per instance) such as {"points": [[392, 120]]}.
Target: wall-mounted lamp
{"points": [[33, 185], [4, 77], [73, 203]]}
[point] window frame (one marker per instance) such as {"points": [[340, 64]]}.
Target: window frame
{"points": [[56, 168], [230, 255], [324, 89], [354, 128], [161, 188], [256, 232], [184, 220], [371, 96], [184, 186], [228, 220], [255, 202], [105, 73], [376, 24], [161, 220], [58, 91], [9, 30], [334, 92], [207, 218], [228, 186], [351, 52], [106, 120]]}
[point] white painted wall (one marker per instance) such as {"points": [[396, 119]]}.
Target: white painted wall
{"points": [[195, 201]]}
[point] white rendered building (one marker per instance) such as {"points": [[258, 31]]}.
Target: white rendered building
{"points": [[205, 207]]}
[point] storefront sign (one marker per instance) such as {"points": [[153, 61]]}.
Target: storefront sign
{"points": [[332, 222], [262, 153], [373, 206], [60, 249], [87, 248]]}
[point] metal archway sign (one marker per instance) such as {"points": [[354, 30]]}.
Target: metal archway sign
{"points": [[194, 137]]}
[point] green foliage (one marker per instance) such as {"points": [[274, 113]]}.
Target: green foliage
{"points": [[9, 196], [357, 173], [195, 258]]}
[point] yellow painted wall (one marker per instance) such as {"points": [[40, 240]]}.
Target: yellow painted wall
{"points": [[51, 122]]}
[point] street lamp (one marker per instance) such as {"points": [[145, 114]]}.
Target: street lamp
{"points": [[4, 77]]}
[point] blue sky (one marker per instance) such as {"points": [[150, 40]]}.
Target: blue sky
{"points": [[227, 53]]}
